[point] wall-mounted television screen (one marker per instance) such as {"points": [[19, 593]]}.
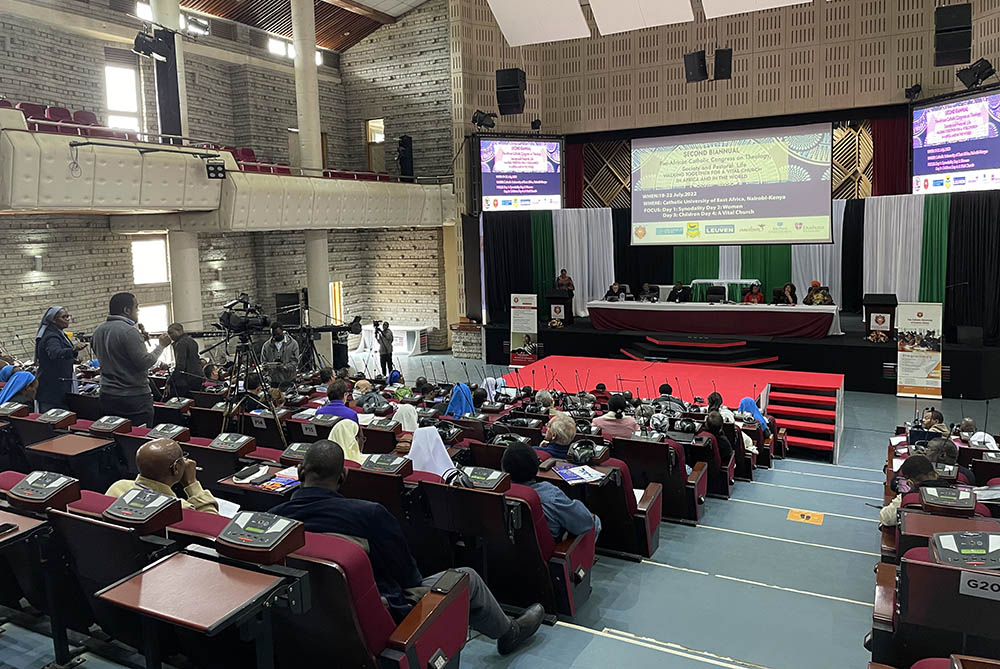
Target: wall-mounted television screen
{"points": [[520, 173], [956, 144]]}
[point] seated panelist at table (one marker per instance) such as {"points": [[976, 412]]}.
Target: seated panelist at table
{"points": [[754, 296], [616, 293], [679, 293], [817, 295], [162, 464], [562, 514], [649, 293], [318, 503], [787, 295]]}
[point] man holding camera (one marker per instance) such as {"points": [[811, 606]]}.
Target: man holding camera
{"points": [[383, 335], [280, 354]]}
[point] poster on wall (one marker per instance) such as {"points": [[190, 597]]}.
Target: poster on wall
{"points": [[918, 349], [523, 329]]}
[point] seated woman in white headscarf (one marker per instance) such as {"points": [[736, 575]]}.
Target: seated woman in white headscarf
{"points": [[406, 414], [490, 385], [346, 434], [429, 453]]}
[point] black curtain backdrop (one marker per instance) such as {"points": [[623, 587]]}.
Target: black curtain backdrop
{"points": [[636, 265], [507, 255], [852, 253], [973, 293], [473, 268]]}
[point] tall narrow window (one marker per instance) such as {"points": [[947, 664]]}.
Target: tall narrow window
{"points": [[149, 260], [121, 83], [155, 318], [337, 301], [375, 137]]}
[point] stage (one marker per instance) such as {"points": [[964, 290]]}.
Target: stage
{"points": [[643, 378], [971, 370]]}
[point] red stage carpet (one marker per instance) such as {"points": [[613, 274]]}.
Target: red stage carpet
{"points": [[644, 378]]}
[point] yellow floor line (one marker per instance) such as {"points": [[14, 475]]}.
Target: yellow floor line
{"points": [[788, 508], [825, 492], [787, 541]]}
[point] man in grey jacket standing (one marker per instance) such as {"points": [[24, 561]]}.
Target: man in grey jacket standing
{"points": [[125, 362], [282, 352]]}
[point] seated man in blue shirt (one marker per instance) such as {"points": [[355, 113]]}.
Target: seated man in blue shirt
{"points": [[562, 514], [559, 434], [335, 406], [318, 504]]}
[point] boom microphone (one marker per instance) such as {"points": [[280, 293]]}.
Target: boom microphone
{"points": [[680, 393], [444, 371]]}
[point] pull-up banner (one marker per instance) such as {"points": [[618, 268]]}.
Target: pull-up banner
{"points": [[918, 349], [523, 329]]}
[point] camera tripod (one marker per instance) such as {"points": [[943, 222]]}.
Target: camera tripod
{"points": [[246, 363]]}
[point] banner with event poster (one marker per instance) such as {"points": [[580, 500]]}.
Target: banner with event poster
{"points": [[918, 349], [523, 329]]}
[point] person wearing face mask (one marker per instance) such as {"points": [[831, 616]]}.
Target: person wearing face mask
{"points": [[55, 355]]}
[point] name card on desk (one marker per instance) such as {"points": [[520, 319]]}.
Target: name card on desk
{"points": [[978, 584]]}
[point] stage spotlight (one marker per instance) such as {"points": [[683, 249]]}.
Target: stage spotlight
{"points": [[481, 119], [536, 125], [977, 73], [913, 92], [151, 46], [216, 168]]}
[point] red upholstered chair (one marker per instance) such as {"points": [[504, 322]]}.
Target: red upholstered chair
{"points": [[345, 600], [683, 495], [721, 475], [933, 663], [61, 115], [281, 168], [244, 156], [33, 112], [645, 513]]}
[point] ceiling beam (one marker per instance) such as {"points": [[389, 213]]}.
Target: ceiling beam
{"points": [[363, 10]]}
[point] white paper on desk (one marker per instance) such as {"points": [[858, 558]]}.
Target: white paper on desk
{"points": [[365, 418], [897, 441], [587, 473], [987, 494], [289, 472], [227, 509]]}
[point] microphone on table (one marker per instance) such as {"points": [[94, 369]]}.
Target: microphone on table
{"points": [[532, 378], [545, 374], [680, 393], [444, 371]]}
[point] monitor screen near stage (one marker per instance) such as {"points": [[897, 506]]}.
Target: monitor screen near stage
{"points": [[956, 145], [520, 173], [768, 186]]}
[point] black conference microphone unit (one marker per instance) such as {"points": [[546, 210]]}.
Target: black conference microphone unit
{"points": [[586, 381], [961, 404], [576, 373], [691, 388], [714, 389], [467, 377], [680, 393], [434, 374], [545, 374], [754, 396], [532, 378], [646, 379], [986, 427], [444, 371]]}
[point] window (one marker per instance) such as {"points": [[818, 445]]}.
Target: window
{"points": [[155, 318], [122, 86], [376, 131], [319, 58], [149, 260], [144, 11], [277, 47]]}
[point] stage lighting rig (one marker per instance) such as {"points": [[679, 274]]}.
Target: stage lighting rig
{"points": [[913, 92], [154, 46], [481, 119]]}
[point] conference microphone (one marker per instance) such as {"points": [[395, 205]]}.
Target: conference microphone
{"points": [[691, 388], [986, 427], [586, 381], [754, 396], [545, 373], [532, 378], [679, 391], [714, 389], [444, 371]]}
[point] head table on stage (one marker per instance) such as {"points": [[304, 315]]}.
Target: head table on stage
{"points": [[777, 320]]}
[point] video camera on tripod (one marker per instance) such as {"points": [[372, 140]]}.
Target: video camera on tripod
{"points": [[240, 316]]}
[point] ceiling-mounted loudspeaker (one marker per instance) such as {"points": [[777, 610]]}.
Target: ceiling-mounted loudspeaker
{"points": [[723, 64], [952, 35], [695, 68], [511, 84]]}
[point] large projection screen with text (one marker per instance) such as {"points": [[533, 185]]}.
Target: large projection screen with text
{"points": [[768, 186], [956, 145]]}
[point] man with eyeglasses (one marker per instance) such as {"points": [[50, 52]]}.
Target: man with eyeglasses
{"points": [[161, 465]]}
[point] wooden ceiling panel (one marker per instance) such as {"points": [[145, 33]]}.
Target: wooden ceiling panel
{"points": [[336, 28]]}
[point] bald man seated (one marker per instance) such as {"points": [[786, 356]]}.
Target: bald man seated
{"points": [[162, 464]]}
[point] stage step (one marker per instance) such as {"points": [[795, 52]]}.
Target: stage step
{"points": [[798, 398], [803, 389], [696, 343], [807, 442], [804, 425], [778, 410]]}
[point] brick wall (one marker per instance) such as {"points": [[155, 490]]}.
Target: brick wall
{"points": [[83, 265], [234, 255], [402, 73], [210, 100], [41, 64]]}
